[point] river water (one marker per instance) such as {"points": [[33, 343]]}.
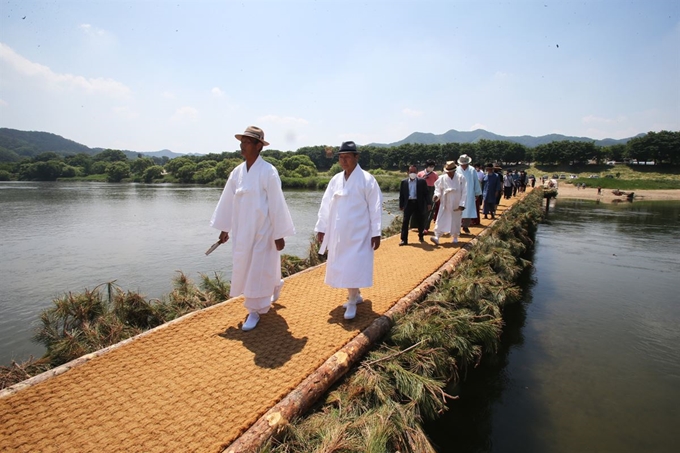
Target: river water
{"points": [[57, 237], [590, 360]]}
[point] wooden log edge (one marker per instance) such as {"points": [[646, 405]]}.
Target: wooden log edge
{"points": [[298, 401]]}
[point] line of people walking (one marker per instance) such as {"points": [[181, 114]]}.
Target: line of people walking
{"points": [[452, 200], [514, 182], [253, 213]]}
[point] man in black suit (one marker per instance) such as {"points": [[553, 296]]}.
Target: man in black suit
{"points": [[413, 200]]}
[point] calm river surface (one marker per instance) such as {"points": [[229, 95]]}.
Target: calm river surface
{"points": [[590, 360], [59, 237]]}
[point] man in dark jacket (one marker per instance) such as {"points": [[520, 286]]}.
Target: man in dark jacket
{"points": [[413, 201], [491, 191]]}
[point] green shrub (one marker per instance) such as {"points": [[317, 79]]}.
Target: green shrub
{"points": [[117, 171], [206, 164], [293, 162], [335, 169], [185, 173], [153, 172], [225, 167], [305, 171], [205, 175], [98, 168], [68, 171]]}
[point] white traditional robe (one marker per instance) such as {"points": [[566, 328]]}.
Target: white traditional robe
{"points": [[253, 210], [474, 189], [349, 216], [452, 193]]}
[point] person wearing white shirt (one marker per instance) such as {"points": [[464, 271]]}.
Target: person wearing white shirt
{"points": [[252, 211], [349, 227], [450, 190]]}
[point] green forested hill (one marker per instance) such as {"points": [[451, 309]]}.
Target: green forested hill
{"points": [[15, 144]]}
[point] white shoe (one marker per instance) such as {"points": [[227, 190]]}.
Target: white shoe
{"points": [[351, 310], [435, 240], [251, 321], [277, 292], [455, 240]]}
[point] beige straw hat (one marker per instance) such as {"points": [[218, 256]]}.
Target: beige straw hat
{"points": [[450, 165], [254, 132]]}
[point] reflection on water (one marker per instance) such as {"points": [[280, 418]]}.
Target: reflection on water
{"points": [[590, 360], [59, 237]]}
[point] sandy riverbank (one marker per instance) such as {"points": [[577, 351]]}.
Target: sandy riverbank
{"points": [[590, 193]]}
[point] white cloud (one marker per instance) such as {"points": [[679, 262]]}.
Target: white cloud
{"points": [[478, 126], [168, 95], [217, 92], [99, 85], [184, 114], [283, 120], [90, 30], [412, 113]]}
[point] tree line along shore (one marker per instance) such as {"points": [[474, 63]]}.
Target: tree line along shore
{"points": [[654, 158]]}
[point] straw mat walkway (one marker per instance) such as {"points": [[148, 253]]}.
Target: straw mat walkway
{"points": [[198, 383]]}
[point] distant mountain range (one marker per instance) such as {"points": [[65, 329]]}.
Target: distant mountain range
{"points": [[16, 144], [454, 136]]}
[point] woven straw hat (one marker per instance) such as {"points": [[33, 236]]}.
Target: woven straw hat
{"points": [[253, 132]]}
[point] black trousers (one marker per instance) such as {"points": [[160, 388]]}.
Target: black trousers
{"points": [[411, 210]]}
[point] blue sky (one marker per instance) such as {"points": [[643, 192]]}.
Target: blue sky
{"points": [[186, 76]]}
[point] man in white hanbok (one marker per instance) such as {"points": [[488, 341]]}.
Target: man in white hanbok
{"points": [[451, 190], [349, 227], [473, 194], [253, 209]]}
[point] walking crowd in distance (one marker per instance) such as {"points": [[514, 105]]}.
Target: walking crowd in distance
{"points": [[253, 213]]}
